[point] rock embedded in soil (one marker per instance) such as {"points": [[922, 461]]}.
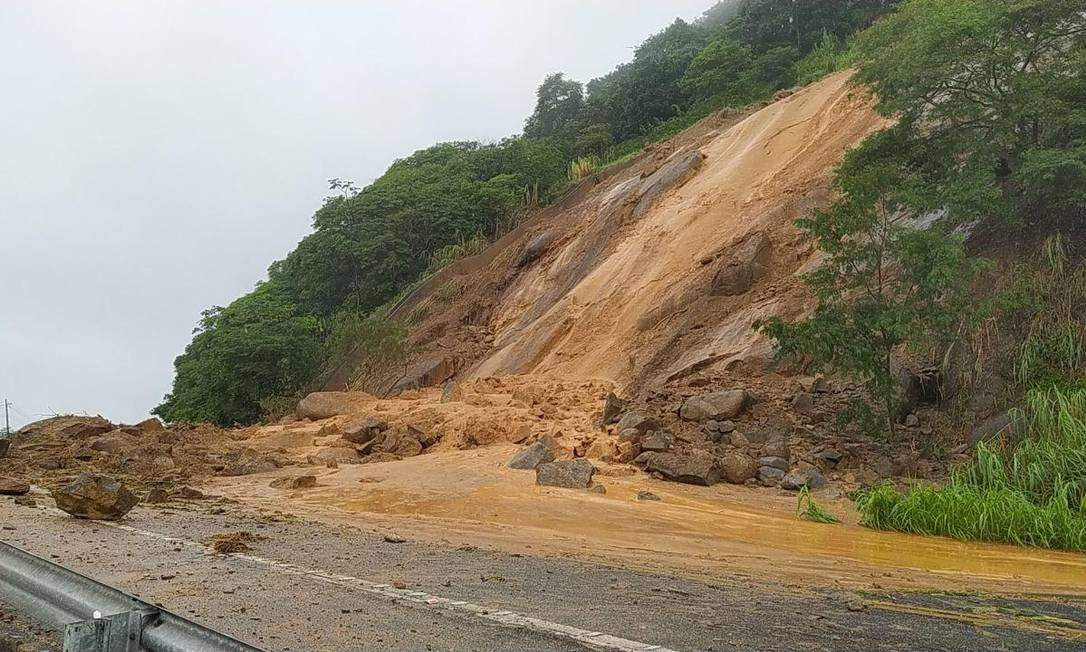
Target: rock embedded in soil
{"points": [[810, 478], [647, 495], [529, 458], [13, 487], [363, 431], [297, 482], [698, 467], [770, 476], [95, 496], [717, 406], [571, 474], [25, 501], [654, 441], [737, 468], [156, 496]]}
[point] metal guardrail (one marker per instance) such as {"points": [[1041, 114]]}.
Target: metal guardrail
{"points": [[96, 617]]}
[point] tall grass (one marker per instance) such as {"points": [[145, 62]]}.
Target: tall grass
{"points": [[809, 510], [1030, 493]]}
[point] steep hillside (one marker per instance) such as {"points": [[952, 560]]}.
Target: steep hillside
{"points": [[660, 269]]}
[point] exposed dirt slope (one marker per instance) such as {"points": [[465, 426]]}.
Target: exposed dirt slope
{"points": [[661, 269]]}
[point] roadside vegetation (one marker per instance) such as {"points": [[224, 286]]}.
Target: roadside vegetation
{"points": [[989, 103], [371, 244]]}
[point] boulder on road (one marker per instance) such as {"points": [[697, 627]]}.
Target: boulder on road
{"points": [[718, 406], [738, 468], [95, 496], [13, 487], [698, 467], [810, 478], [570, 474], [67, 427], [530, 457]]}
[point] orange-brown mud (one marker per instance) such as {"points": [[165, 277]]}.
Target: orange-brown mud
{"points": [[471, 498]]}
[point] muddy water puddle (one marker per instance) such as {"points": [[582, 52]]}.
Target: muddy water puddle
{"points": [[469, 497]]}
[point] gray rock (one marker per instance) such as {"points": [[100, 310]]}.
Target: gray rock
{"points": [[613, 408], [803, 403], [631, 435], [773, 462], [654, 441], [95, 496], [570, 474], [777, 448], [717, 406], [747, 264], [647, 495], [810, 478], [727, 427], [770, 476], [831, 456], [636, 421], [537, 247], [529, 458], [912, 421], [738, 468], [363, 431], [698, 467], [598, 489]]}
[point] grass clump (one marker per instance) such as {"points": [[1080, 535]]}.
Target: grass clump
{"points": [[809, 510], [1032, 493]]}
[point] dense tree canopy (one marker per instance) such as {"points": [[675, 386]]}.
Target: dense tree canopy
{"points": [[370, 244]]}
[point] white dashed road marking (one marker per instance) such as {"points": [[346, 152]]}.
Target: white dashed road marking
{"points": [[590, 639]]}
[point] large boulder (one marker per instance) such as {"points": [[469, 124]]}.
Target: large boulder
{"points": [[570, 474], [737, 468], [325, 405], [13, 487], [335, 455], [95, 496], [530, 457], [717, 406], [537, 247], [151, 425], [67, 427], [747, 264], [114, 443], [1003, 426], [698, 467]]}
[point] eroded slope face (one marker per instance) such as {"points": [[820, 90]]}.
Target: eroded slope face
{"points": [[663, 273]]}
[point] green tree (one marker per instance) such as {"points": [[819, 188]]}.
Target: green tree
{"points": [[559, 107], [258, 346], [721, 68], [893, 276]]}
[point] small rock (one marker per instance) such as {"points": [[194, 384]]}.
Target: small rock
{"points": [[156, 495], [717, 406], [571, 474], [803, 403], [188, 493], [856, 605], [25, 501], [654, 441], [773, 462], [911, 420], [727, 427], [770, 476], [394, 538], [363, 431], [811, 478], [598, 489], [831, 456], [299, 482], [95, 496], [738, 468], [541, 452], [627, 452], [647, 495], [777, 448], [13, 487]]}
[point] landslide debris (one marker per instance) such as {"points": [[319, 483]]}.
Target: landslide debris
{"points": [[95, 496]]}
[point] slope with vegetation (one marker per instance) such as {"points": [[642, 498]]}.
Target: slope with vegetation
{"points": [[370, 245]]}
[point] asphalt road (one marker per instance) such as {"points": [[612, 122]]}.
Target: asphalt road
{"points": [[310, 586]]}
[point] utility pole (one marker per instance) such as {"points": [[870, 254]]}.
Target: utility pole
{"points": [[7, 419]]}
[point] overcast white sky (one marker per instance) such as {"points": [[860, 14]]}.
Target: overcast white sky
{"points": [[157, 156]]}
